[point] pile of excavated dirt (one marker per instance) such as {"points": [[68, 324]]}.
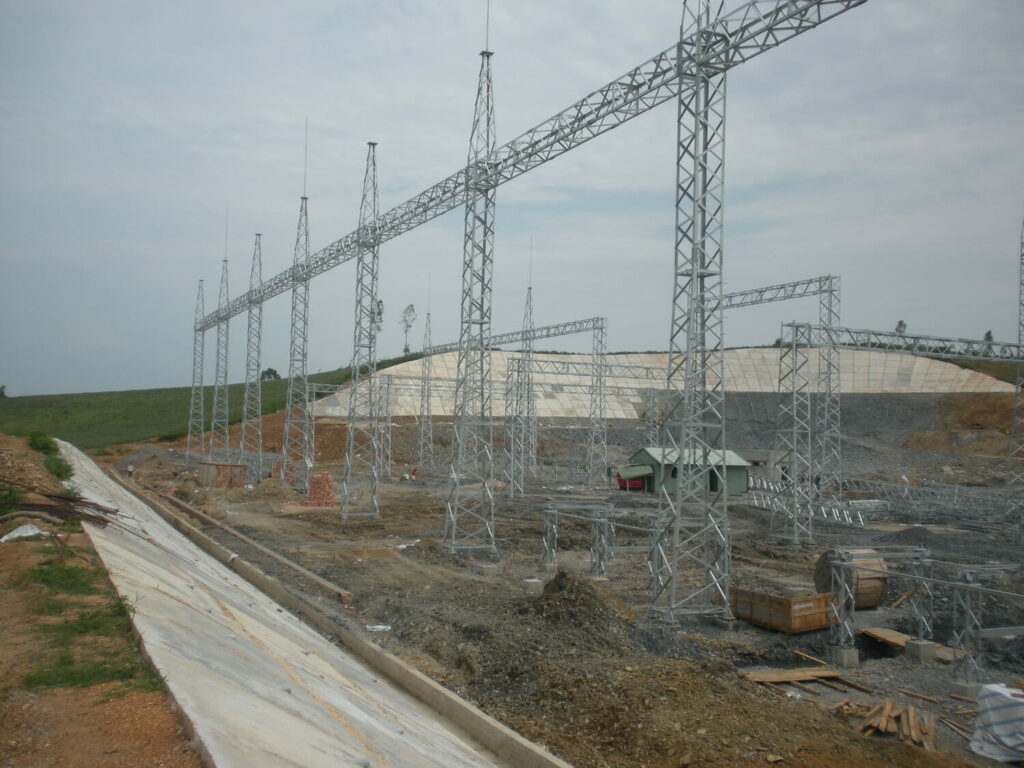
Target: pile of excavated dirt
{"points": [[20, 464]]}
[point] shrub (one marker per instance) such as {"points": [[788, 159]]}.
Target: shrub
{"points": [[40, 441], [57, 467]]}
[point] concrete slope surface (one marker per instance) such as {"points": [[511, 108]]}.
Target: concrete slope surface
{"points": [[259, 687]]}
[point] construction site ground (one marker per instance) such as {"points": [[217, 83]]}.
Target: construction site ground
{"points": [[580, 665]]}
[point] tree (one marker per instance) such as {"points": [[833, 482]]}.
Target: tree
{"points": [[901, 327], [269, 374], [407, 319], [3, 391], [989, 336]]}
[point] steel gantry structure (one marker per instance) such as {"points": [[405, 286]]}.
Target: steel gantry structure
{"points": [[363, 453], [809, 431], [298, 429], [1015, 451], [195, 447], [693, 73], [220, 440]]}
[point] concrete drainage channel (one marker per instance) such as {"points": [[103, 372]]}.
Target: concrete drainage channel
{"points": [[256, 684]]}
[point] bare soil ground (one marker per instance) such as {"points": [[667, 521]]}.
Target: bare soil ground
{"points": [[102, 725]]}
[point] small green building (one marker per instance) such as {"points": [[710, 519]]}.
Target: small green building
{"points": [[655, 464]]}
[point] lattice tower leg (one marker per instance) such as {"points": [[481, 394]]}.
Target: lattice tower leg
{"points": [[795, 431], [694, 521], [195, 445], [550, 536], [514, 427], [363, 452], [220, 443], [1015, 453], [527, 408], [843, 603], [298, 434], [383, 422], [597, 432], [600, 538], [469, 524], [828, 471], [921, 602], [250, 441], [967, 627], [425, 433]]}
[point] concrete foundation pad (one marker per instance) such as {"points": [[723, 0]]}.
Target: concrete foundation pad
{"points": [[728, 625], [534, 586], [920, 650], [845, 657]]}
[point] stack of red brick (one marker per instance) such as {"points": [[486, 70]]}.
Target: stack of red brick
{"points": [[321, 490]]}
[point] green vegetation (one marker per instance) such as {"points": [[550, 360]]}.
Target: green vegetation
{"points": [[40, 441], [109, 619], [1003, 371], [65, 671], [61, 577], [96, 419], [57, 467]]}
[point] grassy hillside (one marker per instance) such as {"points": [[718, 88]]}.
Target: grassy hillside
{"points": [[95, 419]]}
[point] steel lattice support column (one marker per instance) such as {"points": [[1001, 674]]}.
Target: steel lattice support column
{"points": [[195, 445], [520, 409], [828, 469], [425, 433], [843, 603], [1015, 453], [363, 455], [693, 526], [967, 627], [794, 435], [298, 428], [469, 524], [220, 442], [597, 432], [250, 442]]}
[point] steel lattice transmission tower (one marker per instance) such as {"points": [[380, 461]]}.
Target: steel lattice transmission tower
{"points": [[298, 428], [694, 522], [828, 469], [469, 524], [364, 455], [425, 433], [250, 441], [795, 436], [220, 441], [195, 445], [1015, 454]]}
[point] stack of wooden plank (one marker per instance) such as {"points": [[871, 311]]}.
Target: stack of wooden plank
{"points": [[899, 640], [799, 678], [908, 723]]}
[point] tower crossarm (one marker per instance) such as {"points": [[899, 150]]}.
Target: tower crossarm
{"points": [[749, 30], [928, 346], [542, 332], [545, 367], [814, 286]]}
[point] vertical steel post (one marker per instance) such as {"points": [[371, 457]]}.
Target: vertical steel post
{"points": [[425, 432], [694, 521], [597, 431], [195, 445], [469, 524], [220, 442], [298, 429], [363, 456], [828, 469], [250, 441]]}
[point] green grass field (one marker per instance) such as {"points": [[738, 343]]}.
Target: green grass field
{"points": [[97, 419]]}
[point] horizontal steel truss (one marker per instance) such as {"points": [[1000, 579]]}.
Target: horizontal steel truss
{"points": [[592, 324], [797, 289], [736, 37], [928, 346], [772, 495], [939, 502]]}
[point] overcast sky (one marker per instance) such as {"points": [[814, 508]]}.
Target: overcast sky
{"points": [[885, 147]]}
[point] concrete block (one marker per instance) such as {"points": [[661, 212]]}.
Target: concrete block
{"points": [[533, 586], [728, 625], [796, 591], [845, 657], [921, 650]]}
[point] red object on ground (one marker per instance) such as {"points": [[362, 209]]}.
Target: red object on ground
{"points": [[636, 484], [321, 490]]}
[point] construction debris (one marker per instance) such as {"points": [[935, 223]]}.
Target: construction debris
{"points": [[909, 724], [798, 678], [899, 640]]}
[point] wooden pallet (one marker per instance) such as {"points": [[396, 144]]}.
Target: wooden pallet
{"points": [[898, 639], [802, 677]]}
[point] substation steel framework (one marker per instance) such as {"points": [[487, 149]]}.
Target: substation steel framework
{"points": [[220, 439], [809, 430], [748, 31], [250, 441], [195, 444], [707, 50], [469, 523], [298, 428], [364, 455]]}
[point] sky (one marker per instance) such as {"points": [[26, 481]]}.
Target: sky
{"points": [[884, 146]]}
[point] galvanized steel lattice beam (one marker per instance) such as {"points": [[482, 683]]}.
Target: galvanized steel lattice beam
{"points": [[220, 441], [250, 441], [298, 428], [195, 445]]}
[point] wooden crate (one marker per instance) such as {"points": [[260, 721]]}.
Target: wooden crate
{"points": [[785, 614]]}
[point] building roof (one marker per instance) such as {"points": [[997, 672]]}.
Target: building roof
{"points": [[670, 456], [633, 471]]}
